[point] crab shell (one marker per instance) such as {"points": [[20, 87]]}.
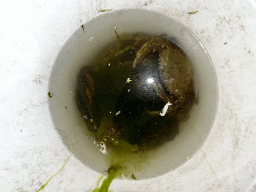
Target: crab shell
{"points": [[174, 66]]}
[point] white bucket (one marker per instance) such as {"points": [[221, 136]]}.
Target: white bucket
{"points": [[79, 51]]}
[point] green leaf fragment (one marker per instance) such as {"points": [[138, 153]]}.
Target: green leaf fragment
{"points": [[114, 171], [82, 26], [105, 10], [50, 95], [192, 12], [43, 186], [133, 176]]}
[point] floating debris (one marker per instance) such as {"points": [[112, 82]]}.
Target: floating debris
{"points": [[128, 80], [23, 111], [50, 95], [192, 12], [188, 157], [82, 26], [105, 10], [165, 109], [133, 176]]}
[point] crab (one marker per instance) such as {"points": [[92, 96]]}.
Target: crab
{"points": [[175, 71], [153, 80]]}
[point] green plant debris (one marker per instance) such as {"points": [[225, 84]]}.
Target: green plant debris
{"points": [[23, 111], [133, 176], [113, 172], [50, 95], [117, 35], [106, 183], [103, 130], [188, 157], [105, 10], [209, 164], [43, 186], [82, 26], [98, 182], [192, 12]]}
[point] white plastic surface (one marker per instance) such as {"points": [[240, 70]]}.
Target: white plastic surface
{"points": [[33, 32]]}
